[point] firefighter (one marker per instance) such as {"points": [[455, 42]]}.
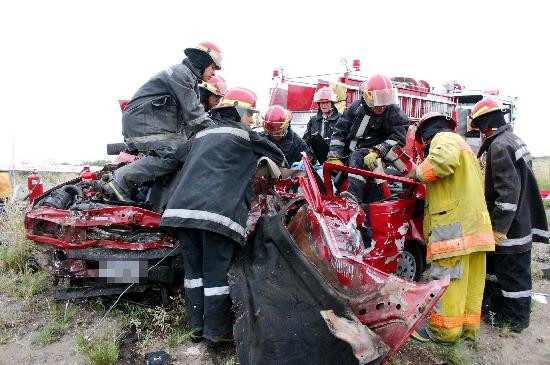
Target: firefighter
{"points": [[327, 115], [457, 228], [161, 116], [5, 187], [211, 92], [209, 208], [517, 216], [367, 130], [277, 129]]}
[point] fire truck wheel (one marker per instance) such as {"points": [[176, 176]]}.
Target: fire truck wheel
{"points": [[411, 264]]}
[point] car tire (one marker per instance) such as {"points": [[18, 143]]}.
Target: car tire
{"points": [[411, 264]]}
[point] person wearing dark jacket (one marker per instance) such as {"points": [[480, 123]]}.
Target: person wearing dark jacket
{"points": [[327, 115], [209, 209], [160, 118], [211, 92], [517, 216], [367, 130], [277, 129]]}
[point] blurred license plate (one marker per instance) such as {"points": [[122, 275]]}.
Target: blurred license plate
{"points": [[123, 271]]}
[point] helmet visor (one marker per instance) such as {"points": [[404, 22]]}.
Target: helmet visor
{"points": [[382, 97]]}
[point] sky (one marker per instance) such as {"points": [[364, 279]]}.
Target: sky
{"points": [[64, 64]]}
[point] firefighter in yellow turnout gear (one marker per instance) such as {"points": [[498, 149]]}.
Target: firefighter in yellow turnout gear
{"points": [[457, 228], [5, 185]]}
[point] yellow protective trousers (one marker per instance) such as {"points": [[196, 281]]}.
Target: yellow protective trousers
{"points": [[458, 312]]}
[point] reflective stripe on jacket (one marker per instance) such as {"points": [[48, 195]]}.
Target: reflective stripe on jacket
{"points": [[214, 187], [322, 126], [360, 127], [456, 220]]}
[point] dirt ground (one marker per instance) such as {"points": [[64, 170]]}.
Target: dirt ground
{"points": [[20, 319], [495, 346]]}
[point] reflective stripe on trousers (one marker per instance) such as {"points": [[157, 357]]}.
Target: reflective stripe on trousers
{"points": [[218, 290], [452, 322], [192, 283]]}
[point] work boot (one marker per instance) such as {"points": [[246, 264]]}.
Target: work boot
{"points": [[366, 236], [112, 188], [495, 320], [421, 334], [196, 336]]}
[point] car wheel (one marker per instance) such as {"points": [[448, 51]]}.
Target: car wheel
{"points": [[410, 264]]}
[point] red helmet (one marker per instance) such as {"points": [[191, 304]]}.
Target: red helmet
{"points": [[210, 49], [324, 94], [277, 120], [429, 116], [483, 107], [216, 85], [378, 90], [239, 98]]}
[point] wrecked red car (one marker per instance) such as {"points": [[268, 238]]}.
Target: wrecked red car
{"points": [[100, 245], [325, 282]]}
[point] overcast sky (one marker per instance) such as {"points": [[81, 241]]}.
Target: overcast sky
{"points": [[64, 64]]}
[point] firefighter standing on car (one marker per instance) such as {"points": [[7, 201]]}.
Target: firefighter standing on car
{"points": [[161, 116], [517, 216], [367, 130], [457, 228], [327, 115], [277, 129], [212, 91], [210, 207]]}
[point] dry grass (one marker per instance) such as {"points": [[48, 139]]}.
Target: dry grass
{"points": [[49, 178], [58, 323], [541, 167], [16, 280], [460, 353], [102, 350], [15, 249]]}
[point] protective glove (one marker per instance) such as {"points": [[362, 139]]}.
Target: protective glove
{"points": [[335, 160], [499, 237], [370, 159]]}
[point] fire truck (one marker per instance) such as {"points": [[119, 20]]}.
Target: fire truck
{"points": [[416, 97]]}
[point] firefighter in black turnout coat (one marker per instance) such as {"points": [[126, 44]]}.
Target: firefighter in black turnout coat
{"points": [[209, 207], [160, 118], [327, 115], [277, 129], [367, 130], [517, 216]]}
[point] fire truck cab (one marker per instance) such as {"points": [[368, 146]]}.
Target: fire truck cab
{"points": [[465, 100]]}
